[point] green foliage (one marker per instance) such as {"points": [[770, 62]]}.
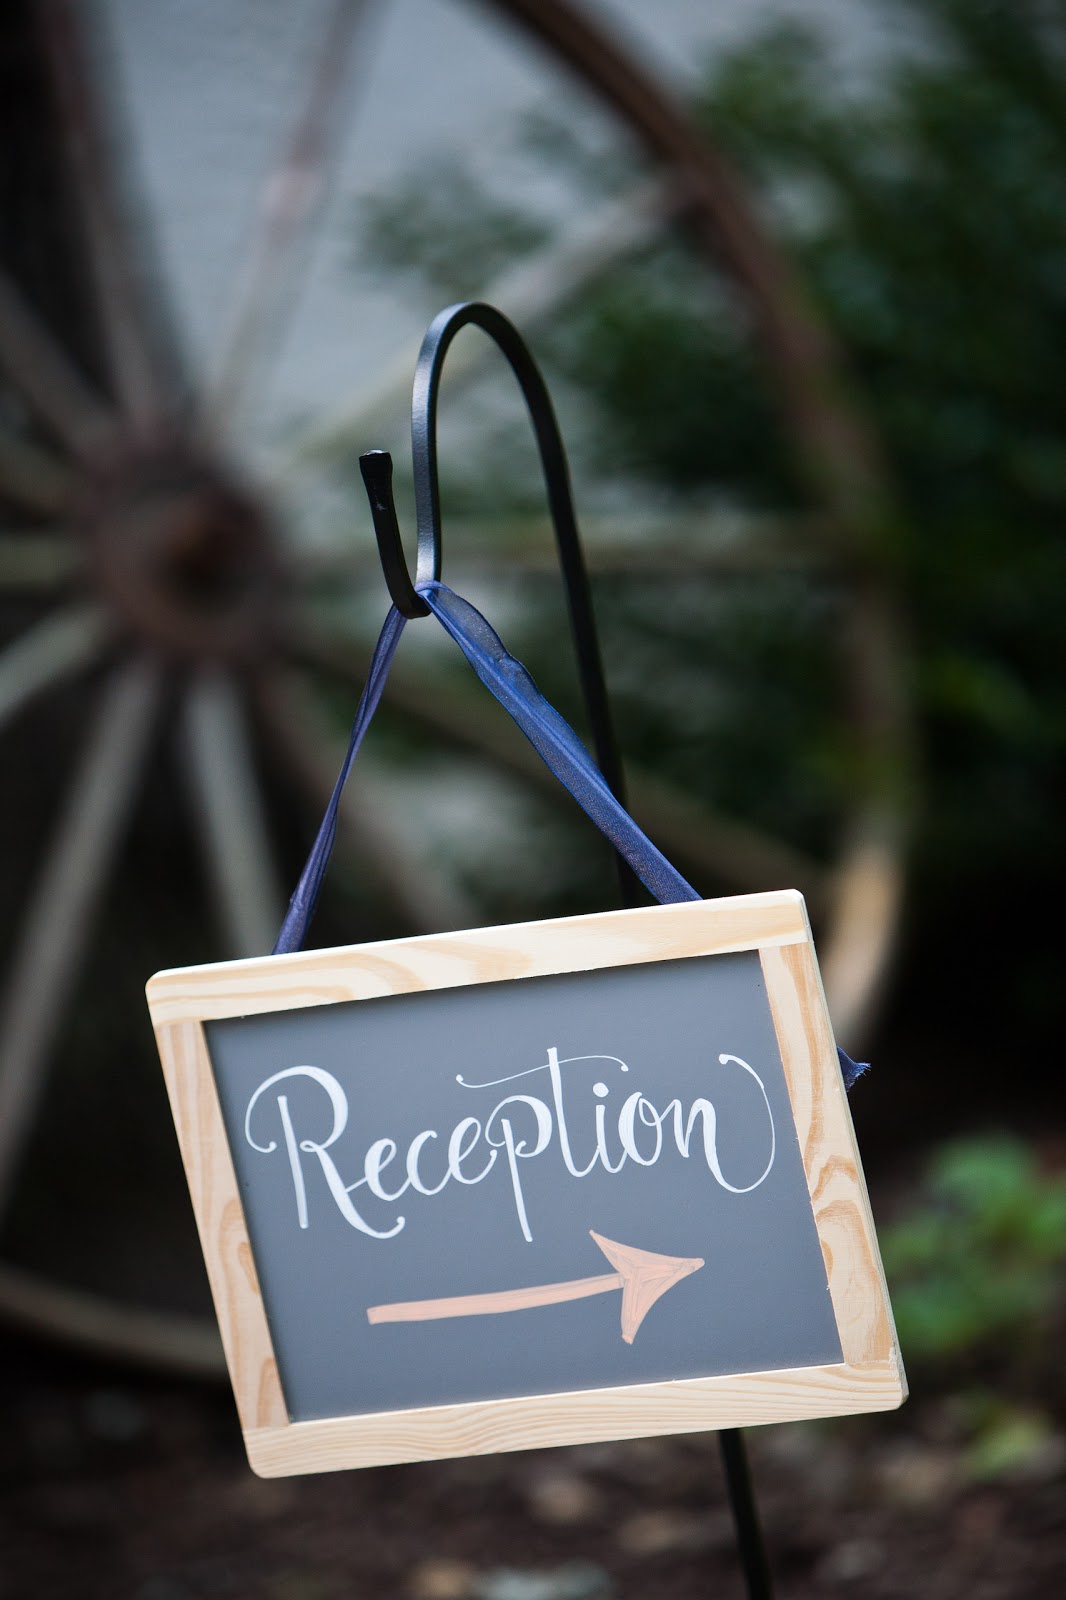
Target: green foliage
{"points": [[671, 367], [1003, 1440], [930, 219], [981, 1260]]}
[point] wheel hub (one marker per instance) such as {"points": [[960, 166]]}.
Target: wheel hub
{"points": [[185, 555]]}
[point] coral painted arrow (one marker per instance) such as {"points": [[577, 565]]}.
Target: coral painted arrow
{"points": [[641, 1275]]}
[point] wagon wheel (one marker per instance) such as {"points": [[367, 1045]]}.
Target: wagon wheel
{"points": [[143, 560]]}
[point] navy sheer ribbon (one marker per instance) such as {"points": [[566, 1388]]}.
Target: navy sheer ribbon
{"points": [[550, 735]]}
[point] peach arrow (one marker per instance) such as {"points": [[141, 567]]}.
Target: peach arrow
{"points": [[641, 1275]]}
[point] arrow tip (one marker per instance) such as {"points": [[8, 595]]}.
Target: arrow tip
{"points": [[645, 1278]]}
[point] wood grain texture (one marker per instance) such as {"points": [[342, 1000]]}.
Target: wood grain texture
{"points": [[870, 1378], [220, 1219], [486, 955], [835, 1181], [695, 1405]]}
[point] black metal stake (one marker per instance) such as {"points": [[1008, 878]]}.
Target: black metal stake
{"points": [[750, 1541], [376, 468]]}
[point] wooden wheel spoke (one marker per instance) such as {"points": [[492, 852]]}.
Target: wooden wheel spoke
{"points": [[230, 816], [658, 545], [169, 1340], [840, 451], [290, 201], [166, 450], [527, 293], [867, 903], [35, 561], [412, 883], [46, 379], [734, 852], [31, 477], [61, 644], [143, 363], [57, 929]]}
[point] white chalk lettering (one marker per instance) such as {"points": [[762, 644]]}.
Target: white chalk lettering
{"points": [[413, 1152], [600, 1152], [635, 1106], [339, 1103], [381, 1152], [470, 1131], [524, 1126], [520, 1150]]}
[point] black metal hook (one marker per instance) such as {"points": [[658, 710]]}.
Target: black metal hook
{"points": [[376, 467]]}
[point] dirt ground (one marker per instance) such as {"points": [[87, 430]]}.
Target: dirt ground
{"points": [[123, 1490]]}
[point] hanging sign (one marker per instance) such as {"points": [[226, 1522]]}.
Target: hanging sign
{"points": [[532, 1185]]}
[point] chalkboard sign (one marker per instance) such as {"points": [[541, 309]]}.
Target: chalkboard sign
{"points": [[529, 1185]]}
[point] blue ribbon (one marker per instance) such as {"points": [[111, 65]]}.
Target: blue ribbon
{"points": [[550, 735], [305, 895]]}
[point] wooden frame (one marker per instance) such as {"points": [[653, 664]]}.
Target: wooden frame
{"points": [[870, 1378]]}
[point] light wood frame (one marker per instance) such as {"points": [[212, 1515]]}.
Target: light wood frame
{"points": [[870, 1377]]}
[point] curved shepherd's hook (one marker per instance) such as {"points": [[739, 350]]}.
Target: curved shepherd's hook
{"points": [[376, 467]]}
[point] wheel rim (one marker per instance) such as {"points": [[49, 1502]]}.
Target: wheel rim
{"points": [[188, 583]]}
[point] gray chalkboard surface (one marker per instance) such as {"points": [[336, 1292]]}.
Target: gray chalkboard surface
{"points": [[681, 1054], [528, 1185]]}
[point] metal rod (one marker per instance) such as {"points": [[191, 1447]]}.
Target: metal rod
{"points": [[556, 473], [597, 706], [593, 683], [750, 1543]]}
